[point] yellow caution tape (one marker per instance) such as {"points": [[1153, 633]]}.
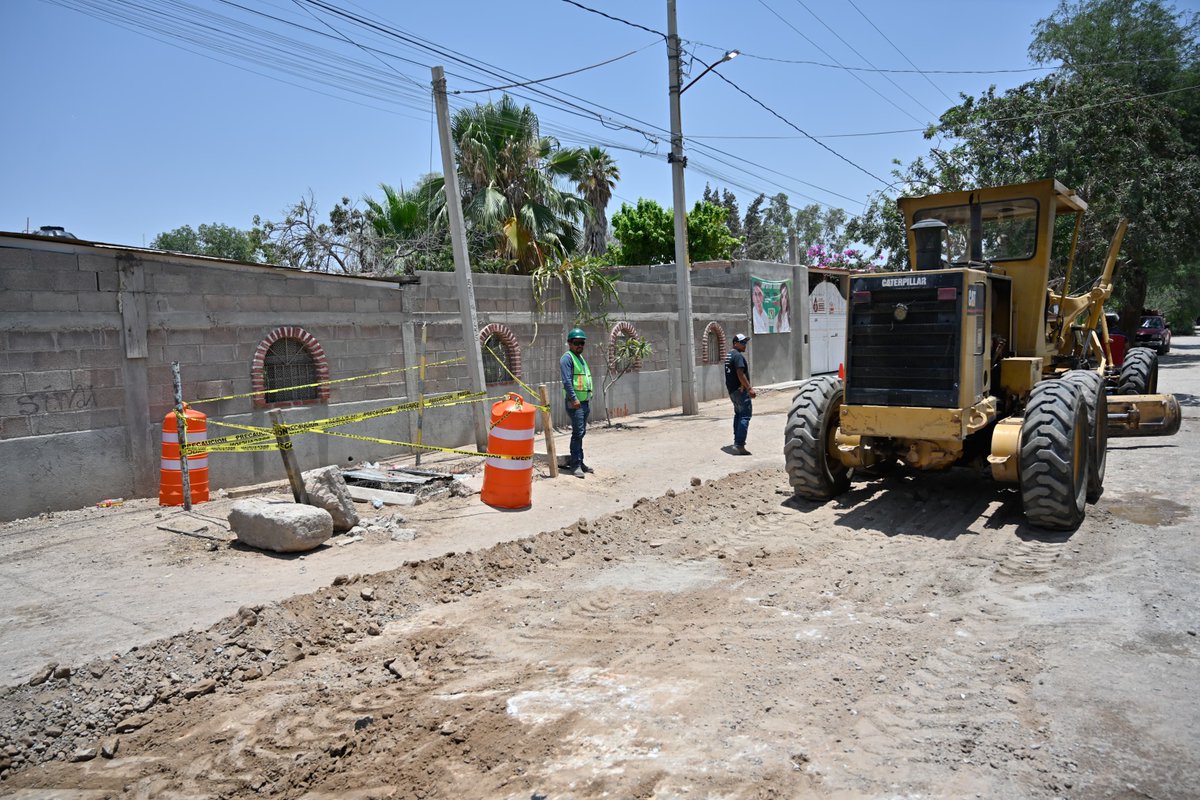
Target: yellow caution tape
{"points": [[258, 439], [255, 435], [324, 383], [518, 381]]}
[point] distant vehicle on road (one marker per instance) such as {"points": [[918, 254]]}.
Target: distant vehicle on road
{"points": [[1154, 332]]}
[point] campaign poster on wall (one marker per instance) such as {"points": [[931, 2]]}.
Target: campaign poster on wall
{"points": [[771, 306]]}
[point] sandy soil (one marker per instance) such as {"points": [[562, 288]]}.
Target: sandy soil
{"points": [[720, 639]]}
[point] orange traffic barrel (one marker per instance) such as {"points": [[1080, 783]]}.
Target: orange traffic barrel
{"points": [[170, 489], [508, 482]]}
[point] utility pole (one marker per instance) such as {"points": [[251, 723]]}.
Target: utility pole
{"points": [[683, 269], [472, 352]]}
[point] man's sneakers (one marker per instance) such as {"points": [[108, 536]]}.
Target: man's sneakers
{"points": [[580, 471], [586, 468], [577, 472], [740, 450]]}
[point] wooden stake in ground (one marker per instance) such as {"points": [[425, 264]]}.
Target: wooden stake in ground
{"points": [[289, 457], [548, 430]]}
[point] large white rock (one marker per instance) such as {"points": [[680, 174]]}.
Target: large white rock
{"points": [[327, 489], [281, 527]]}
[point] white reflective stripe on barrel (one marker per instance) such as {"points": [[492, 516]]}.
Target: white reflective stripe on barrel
{"points": [[192, 436], [510, 463], [511, 435], [193, 463]]}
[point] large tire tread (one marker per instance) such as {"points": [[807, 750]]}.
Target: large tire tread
{"points": [[812, 472], [1091, 385], [1053, 471], [1139, 372]]}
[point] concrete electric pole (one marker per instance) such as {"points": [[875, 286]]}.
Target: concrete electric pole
{"points": [[683, 268], [472, 352]]}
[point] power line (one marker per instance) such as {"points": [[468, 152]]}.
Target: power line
{"points": [[552, 77], [207, 34], [356, 44], [918, 71], [616, 19], [898, 50], [854, 75], [854, 50], [796, 127]]}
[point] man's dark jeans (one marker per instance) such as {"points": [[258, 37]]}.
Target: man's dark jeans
{"points": [[579, 418], [743, 409]]}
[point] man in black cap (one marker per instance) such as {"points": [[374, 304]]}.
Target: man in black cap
{"points": [[737, 381]]}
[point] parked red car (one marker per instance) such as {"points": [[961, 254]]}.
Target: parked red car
{"points": [[1154, 332]]}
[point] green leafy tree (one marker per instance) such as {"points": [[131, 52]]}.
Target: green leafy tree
{"points": [[778, 219], [216, 240], [766, 229], [807, 223], [646, 233], [597, 177], [755, 241], [1092, 126], [709, 238], [733, 218]]}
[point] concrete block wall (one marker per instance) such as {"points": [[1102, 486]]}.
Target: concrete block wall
{"points": [[60, 359], [89, 333]]}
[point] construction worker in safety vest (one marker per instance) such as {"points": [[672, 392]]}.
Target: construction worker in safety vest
{"points": [[577, 391]]}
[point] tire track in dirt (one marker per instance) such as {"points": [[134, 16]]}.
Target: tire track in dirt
{"points": [[728, 641]]}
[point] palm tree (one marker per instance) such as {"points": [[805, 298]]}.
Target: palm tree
{"points": [[595, 180], [510, 176], [410, 224]]}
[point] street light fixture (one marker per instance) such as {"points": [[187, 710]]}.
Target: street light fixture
{"points": [[683, 269], [729, 56]]}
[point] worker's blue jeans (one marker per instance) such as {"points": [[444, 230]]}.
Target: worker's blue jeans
{"points": [[743, 409], [579, 418]]}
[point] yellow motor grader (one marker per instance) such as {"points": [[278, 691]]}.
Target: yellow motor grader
{"points": [[976, 358]]}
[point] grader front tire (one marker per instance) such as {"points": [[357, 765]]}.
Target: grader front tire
{"points": [[1053, 461], [808, 440], [1139, 372], [1091, 386]]}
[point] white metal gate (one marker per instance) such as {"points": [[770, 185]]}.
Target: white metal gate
{"points": [[827, 327]]}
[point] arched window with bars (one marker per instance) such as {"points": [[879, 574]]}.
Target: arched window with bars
{"points": [[292, 360]]}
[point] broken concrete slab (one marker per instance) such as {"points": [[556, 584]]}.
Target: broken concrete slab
{"points": [[387, 498], [280, 527], [327, 489]]}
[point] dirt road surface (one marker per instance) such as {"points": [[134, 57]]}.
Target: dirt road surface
{"points": [[675, 626]]}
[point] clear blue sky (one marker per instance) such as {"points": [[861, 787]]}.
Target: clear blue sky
{"points": [[120, 133]]}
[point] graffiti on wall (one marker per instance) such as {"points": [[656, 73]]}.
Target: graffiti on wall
{"points": [[75, 399]]}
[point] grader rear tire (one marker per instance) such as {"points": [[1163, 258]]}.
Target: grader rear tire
{"points": [[808, 438], [1139, 372], [1091, 386], [1053, 462]]}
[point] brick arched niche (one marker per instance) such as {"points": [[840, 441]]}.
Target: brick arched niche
{"points": [[289, 356], [509, 351], [709, 354], [622, 330]]}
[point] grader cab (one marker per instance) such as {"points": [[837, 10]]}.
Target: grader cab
{"points": [[975, 358]]}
